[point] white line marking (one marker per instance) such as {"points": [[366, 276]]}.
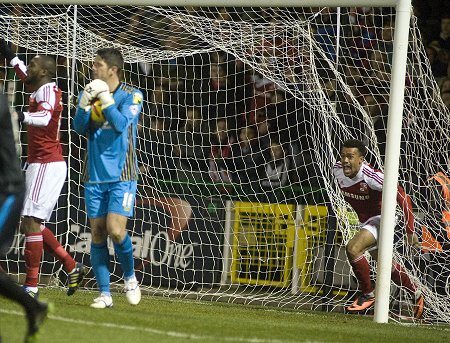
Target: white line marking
{"points": [[162, 332]]}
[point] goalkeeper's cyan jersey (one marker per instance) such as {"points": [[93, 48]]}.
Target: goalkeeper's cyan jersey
{"points": [[111, 153]]}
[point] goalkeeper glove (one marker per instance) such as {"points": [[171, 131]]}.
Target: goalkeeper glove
{"points": [[91, 91], [106, 99], [6, 51]]}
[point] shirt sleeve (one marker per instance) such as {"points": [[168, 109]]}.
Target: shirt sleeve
{"points": [[19, 67], [405, 203], [120, 117], [374, 178], [81, 120], [44, 97]]}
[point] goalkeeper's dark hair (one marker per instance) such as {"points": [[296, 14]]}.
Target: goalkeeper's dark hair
{"points": [[113, 57], [354, 143]]}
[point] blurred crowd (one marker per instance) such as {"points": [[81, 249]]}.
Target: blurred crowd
{"points": [[210, 117], [434, 23]]}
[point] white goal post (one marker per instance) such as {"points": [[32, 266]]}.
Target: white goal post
{"points": [[395, 111]]}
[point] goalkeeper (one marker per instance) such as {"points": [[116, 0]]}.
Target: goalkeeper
{"points": [[45, 168], [108, 114], [11, 199], [361, 186]]}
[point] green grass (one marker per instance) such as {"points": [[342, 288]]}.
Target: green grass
{"points": [[163, 320]]}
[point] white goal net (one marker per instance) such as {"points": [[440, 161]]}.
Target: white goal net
{"points": [[245, 110]]}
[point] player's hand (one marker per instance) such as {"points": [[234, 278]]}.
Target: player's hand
{"points": [[105, 98], [18, 116], [91, 91], [413, 241], [5, 50]]}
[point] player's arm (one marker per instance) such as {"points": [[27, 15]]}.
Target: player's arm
{"points": [[13, 60], [39, 118], [405, 203], [85, 99], [120, 117], [43, 114], [81, 118]]}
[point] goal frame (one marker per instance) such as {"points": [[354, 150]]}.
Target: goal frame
{"points": [[395, 113]]}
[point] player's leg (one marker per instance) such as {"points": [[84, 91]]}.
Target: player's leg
{"points": [[400, 277], [100, 262], [124, 251], [31, 228], [96, 206], [363, 240], [35, 310], [52, 245], [43, 185], [53, 178], [121, 204], [10, 208], [75, 271]]}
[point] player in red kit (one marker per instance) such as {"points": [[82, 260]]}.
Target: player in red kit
{"points": [[361, 186], [46, 168]]}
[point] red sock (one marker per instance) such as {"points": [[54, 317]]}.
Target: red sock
{"points": [[52, 245], [361, 269], [33, 255], [400, 278]]}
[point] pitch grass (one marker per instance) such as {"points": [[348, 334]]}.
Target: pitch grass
{"points": [[164, 320]]}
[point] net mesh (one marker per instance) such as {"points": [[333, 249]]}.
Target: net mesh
{"points": [[245, 110]]}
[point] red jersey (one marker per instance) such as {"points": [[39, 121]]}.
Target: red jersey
{"points": [[364, 193], [43, 120], [43, 141]]}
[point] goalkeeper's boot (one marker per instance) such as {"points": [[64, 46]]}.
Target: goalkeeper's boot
{"points": [[36, 317], [103, 301], [418, 307], [133, 292], [75, 277], [31, 291], [363, 302]]}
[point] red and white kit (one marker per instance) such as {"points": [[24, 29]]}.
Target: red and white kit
{"points": [[363, 193], [46, 171]]}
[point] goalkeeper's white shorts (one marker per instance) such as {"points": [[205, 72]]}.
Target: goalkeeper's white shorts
{"points": [[44, 182]]}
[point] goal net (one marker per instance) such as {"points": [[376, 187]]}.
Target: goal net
{"points": [[244, 114]]}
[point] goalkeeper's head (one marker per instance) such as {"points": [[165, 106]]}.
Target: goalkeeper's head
{"points": [[113, 59], [41, 70]]}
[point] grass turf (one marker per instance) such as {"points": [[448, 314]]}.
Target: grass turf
{"points": [[164, 320]]}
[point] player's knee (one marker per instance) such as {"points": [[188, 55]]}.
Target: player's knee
{"points": [[98, 236], [116, 236], [352, 251]]}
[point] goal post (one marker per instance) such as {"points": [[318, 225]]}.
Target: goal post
{"points": [[242, 62], [394, 130]]}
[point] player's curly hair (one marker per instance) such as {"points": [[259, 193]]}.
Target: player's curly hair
{"points": [[355, 143]]}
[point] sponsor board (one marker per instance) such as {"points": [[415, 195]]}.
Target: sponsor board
{"points": [[176, 242]]}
